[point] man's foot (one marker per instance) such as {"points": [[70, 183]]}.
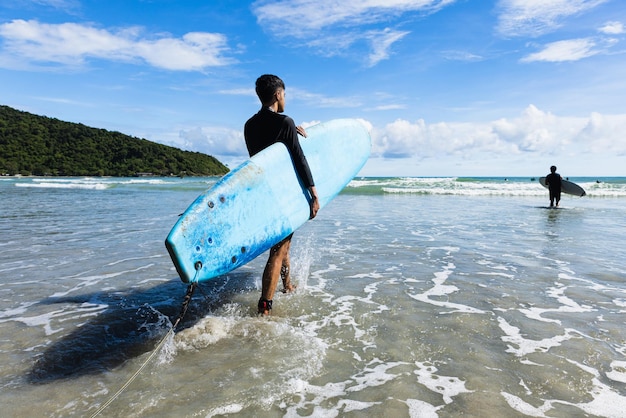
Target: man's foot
{"points": [[289, 288], [265, 306]]}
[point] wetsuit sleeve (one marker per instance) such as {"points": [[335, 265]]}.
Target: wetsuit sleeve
{"points": [[297, 155], [248, 132]]}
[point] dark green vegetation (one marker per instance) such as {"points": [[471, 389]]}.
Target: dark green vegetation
{"points": [[40, 146]]}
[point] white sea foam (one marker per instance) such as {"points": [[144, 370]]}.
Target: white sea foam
{"points": [[47, 320], [65, 183], [79, 282], [568, 305], [333, 395], [313, 396], [207, 332], [100, 186], [87, 183], [16, 311], [606, 401], [527, 346], [447, 386], [421, 409], [478, 186], [225, 410], [376, 373], [524, 407], [441, 289], [618, 371]]}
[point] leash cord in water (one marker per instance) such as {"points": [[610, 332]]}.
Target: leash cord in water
{"points": [[183, 310]]}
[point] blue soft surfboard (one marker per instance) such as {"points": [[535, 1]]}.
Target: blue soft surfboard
{"points": [[261, 202]]}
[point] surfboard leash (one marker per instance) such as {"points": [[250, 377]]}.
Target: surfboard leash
{"points": [[183, 311]]}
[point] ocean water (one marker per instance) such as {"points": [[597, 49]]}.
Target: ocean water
{"points": [[417, 297]]}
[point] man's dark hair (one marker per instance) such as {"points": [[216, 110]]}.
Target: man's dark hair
{"points": [[266, 86]]}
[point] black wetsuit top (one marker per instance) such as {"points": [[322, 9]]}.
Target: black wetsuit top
{"points": [[553, 180], [266, 128]]}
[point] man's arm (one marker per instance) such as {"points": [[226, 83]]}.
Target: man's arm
{"points": [[314, 202], [302, 166], [297, 155]]}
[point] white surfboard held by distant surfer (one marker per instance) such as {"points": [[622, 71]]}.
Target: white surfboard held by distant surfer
{"points": [[262, 201], [566, 187]]}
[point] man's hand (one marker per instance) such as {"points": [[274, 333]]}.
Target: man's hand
{"points": [[314, 203], [301, 130]]}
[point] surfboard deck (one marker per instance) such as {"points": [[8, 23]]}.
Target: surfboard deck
{"points": [[262, 201], [566, 187]]}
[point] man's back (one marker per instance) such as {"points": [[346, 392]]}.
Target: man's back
{"points": [[553, 180], [266, 128]]}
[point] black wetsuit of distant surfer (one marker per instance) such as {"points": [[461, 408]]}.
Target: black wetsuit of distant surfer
{"points": [[553, 181]]}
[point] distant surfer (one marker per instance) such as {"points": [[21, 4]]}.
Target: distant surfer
{"points": [[553, 181], [265, 128]]}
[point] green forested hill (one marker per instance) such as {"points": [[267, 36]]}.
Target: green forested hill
{"points": [[38, 145]]}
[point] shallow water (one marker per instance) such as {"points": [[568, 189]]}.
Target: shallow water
{"points": [[416, 297]]}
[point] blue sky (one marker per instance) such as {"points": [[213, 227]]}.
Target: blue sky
{"points": [[447, 87]]}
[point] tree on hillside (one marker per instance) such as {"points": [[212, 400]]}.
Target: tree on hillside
{"points": [[38, 145]]}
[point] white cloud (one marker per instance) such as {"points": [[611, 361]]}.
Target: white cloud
{"points": [[418, 148], [344, 23], [320, 100], [536, 17], [534, 132], [387, 107], [57, 3], [217, 141], [604, 134], [333, 44], [304, 96], [612, 28], [455, 55], [337, 44], [195, 51], [404, 139], [537, 131], [65, 5], [72, 44], [381, 42], [311, 15], [569, 50], [239, 92]]}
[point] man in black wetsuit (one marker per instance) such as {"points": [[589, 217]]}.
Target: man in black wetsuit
{"points": [[265, 128], [553, 181]]}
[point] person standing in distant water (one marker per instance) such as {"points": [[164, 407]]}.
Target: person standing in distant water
{"points": [[553, 181], [263, 129]]}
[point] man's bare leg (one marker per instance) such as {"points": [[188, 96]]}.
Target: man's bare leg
{"points": [[285, 273], [271, 274]]}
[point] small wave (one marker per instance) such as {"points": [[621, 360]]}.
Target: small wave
{"points": [[467, 186], [144, 181], [604, 187], [88, 183], [206, 332], [63, 185], [105, 183]]}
